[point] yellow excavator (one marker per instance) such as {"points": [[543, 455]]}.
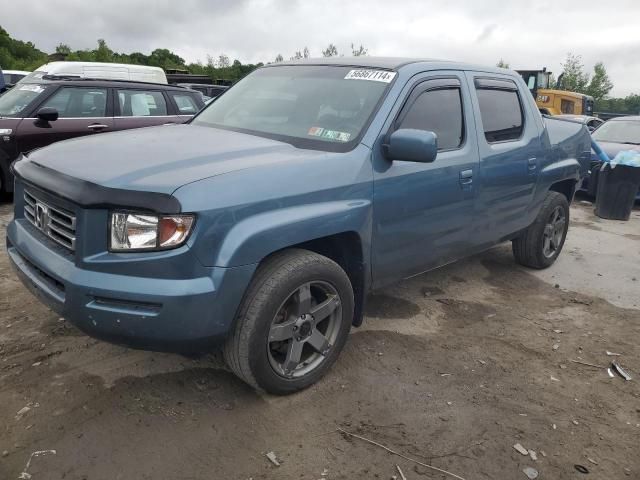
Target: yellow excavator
{"points": [[552, 101]]}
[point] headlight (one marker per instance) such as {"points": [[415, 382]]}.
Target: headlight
{"points": [[132, 231]]}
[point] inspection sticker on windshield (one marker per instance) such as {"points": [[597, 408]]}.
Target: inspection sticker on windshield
{"points": [[329, 134], [374, 75]]}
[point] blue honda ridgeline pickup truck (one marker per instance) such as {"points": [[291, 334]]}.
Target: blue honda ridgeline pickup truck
{"points": [[262, 224]]}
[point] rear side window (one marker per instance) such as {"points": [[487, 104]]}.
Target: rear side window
{"points": [[501, 112], [71, 102], [438, 111], [186, 104], [142, 103]]}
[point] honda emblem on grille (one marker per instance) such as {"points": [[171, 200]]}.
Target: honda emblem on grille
{"points": [[42, 217]]}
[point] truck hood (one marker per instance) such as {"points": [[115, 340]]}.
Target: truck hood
{"points": [[162, 159]]}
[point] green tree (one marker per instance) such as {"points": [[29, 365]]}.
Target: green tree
{"points": [[358, 52], [502, 64], [574, 78], [103, 53], [330, 51], [600, 84], [165, 58], [63, 48], [223, 61], [139, 58], [19, 55], [300, 54]]}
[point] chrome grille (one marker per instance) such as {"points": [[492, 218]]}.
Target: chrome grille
{"points": [[56, 223]]}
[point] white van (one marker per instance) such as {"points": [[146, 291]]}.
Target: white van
{"points": [[103, 71]]}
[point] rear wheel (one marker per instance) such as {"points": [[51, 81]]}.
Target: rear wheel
{"points": [[540, 244], [292, 324]]}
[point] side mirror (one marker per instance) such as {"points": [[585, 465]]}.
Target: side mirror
{"points": [[47, 114], [412, 146]]}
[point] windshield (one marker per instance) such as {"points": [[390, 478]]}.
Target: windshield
{"points": [[619, 131], [316, 107], [16, 100]]}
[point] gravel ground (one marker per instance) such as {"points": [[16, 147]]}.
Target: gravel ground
{"points": [[451, 368]]}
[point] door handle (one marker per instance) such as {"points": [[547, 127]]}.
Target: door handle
{"points": [[97, 126], [466, 178], [532, 164]]}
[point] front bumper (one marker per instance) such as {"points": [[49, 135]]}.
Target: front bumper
{"points": [[145, 312]]}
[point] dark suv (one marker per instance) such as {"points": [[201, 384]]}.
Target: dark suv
{"points": [[33, 115]]}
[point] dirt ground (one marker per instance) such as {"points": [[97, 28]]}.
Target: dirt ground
{"points": [[451, 368]]}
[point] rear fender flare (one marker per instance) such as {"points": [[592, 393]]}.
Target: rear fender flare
{"points": [[567, 169]]}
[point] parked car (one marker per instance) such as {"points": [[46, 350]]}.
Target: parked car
{"points": [[262, 224], [3, 86], [591, 122], [615, 135], [35, 114], [208, 91], [11, 77], [102, 71]]}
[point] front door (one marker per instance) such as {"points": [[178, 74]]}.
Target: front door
{"points": [[424, 212], [81, 111]]}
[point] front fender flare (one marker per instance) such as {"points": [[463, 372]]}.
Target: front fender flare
{"points": [[255, 237]]}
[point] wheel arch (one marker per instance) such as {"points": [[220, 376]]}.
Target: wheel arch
{"points": [[566, 187], [5, 173], [346, 250], [562, 177], [337, 230]]}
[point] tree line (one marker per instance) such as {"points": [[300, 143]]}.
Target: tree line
{"points": [[575, 78], [19, 55]]}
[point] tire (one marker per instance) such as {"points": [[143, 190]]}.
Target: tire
{"points": [[273, 308], [531, 248]]}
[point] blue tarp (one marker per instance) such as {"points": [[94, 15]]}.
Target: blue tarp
{"points": [[630, 158]]}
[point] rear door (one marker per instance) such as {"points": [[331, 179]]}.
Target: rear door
{"points": [[81, 111], [510, 155], [423, 212], [140, 107]]}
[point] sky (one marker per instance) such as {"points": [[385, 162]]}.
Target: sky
{"points": [[526, 34]]}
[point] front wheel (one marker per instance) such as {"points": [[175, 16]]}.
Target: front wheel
{"points": [[293, 322], [541, 243]]}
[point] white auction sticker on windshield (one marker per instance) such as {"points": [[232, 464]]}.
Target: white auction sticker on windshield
{"points": [[373, 75]]}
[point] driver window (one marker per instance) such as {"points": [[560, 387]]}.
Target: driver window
{"points": [[438, 111], [79, 102]]}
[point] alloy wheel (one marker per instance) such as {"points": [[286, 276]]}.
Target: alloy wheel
{"points": [[554, 232], [304, 329]]}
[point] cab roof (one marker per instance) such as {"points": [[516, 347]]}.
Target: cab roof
{"points": [[389, 63]]}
